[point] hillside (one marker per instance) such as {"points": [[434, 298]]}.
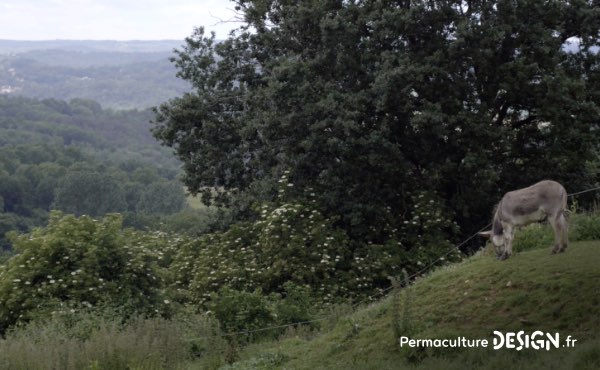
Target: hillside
{"points": [[121, 75], [531, 291]]}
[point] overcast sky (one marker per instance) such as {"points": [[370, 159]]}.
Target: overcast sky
{"points": [[112, 19]]}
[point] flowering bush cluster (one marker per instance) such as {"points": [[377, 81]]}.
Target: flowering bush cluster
{"points": [[289, 242], [76, 263], [424, 234], [295, 242]]}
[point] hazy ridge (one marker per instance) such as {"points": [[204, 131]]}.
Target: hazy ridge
{"points": [[116, 74], [133, 46]]}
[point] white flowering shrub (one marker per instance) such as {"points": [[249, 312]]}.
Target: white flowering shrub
{"points": [[290, 242], [294, 242], [424, 234], [76, 263]]}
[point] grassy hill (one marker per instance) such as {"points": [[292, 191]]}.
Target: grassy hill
{"points": [[531, 291]]}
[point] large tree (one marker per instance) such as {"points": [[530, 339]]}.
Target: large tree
{"points": [[368, 102]]}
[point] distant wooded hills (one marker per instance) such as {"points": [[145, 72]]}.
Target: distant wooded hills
{"points": [[135, 46], [117, 74]]}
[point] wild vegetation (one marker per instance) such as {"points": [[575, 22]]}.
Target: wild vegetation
{"points": [[339, 148], [248, 329]]}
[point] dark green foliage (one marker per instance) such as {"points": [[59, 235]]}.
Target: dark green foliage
{"points": [[89, 193], [369, 102], [239, 311], [161, 197], [255, 315], [194, 222], [11, 222], [297, 305], [79, 121], [289, 243], [68, 180]]}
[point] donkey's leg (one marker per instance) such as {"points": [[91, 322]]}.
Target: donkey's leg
{"points": [[563, 227], [559, 225], [509, 235], [554, 224]]}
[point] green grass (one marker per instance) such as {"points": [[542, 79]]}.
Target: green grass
{"points": [[195, 202], [532, 290]]}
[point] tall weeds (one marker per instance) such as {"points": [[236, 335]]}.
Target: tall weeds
{"points": [[93, 342]]}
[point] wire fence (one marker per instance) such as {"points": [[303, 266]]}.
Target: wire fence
{"points": [[381, 293], [584, 191]]}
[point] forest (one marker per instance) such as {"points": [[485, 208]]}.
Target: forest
{"points": [[125, 75], [313, 194], [82, 159]]}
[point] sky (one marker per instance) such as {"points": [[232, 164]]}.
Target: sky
{"points": [[113, 19]]}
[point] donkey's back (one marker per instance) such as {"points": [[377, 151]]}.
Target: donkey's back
{"points": [[544, 200]]}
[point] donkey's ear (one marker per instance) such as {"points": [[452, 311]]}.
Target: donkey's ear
{"points": [[485, 234]]}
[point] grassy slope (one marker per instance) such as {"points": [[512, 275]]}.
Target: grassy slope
{"points": [[531, 291]]}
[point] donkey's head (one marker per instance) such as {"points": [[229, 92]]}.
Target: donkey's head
{"points": [[496, 235]]}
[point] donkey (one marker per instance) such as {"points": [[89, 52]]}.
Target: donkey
{"points": [[546, 200]]}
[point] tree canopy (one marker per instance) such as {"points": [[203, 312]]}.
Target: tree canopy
{"points": [[368, 103], [79, 158]]}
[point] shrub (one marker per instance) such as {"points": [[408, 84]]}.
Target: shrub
{"points": [[75, 263], [295, 242], [585, 226], [296, 306], [290, 242], [247, 315], [240, 312]]}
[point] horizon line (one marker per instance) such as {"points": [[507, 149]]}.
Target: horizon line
{"points": [[119, 40]]}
